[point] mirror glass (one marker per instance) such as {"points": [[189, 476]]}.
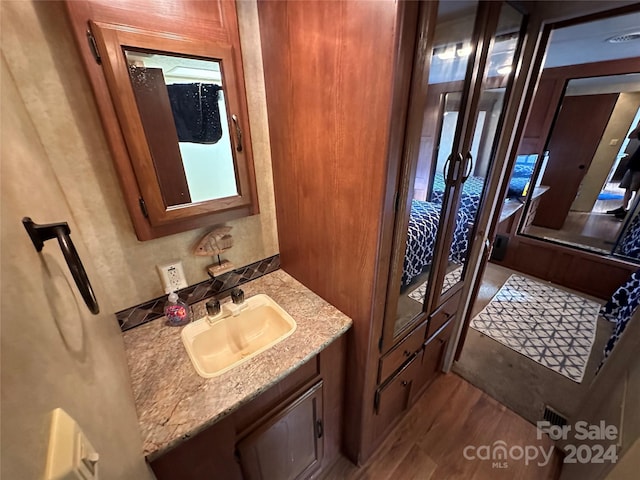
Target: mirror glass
{"points": [[584, 198], [182, 106], [450, 55], [628, 241], [586, 148], [479, 151], [441, 122]]}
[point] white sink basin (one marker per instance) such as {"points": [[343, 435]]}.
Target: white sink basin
{"points": [[236, 335]]}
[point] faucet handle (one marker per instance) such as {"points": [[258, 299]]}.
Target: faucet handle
{"points": [[213, 307], [237, 296]]}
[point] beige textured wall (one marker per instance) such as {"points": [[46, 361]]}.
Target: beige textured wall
{"points": [[54, 353], [618, 126], [43, 59]]}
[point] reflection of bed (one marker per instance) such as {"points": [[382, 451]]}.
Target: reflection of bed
{"points": [[471, 192], [521, 175], [630, 242], [619, 310], [421, 238]]}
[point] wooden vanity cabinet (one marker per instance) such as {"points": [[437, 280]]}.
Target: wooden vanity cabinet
{"points": [[291, 431]]}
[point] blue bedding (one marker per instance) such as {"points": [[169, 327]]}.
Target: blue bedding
{"points": [[421, 238], [521, 175], [619, 309], [471, 193], [630, 242]]}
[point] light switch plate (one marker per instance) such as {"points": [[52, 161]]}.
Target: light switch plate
{"points": [[70, 455]]}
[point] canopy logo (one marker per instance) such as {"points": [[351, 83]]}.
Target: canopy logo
{"points": [[499, 453]]}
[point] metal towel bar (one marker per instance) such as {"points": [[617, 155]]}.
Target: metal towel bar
{"points": [[41, 233]]}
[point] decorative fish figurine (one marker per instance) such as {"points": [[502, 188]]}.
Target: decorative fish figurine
{"points": [[215, 242]]}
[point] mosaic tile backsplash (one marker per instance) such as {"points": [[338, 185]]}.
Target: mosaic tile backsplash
{"points": [[218, 286]]}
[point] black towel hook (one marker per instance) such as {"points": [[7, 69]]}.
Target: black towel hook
{"points": [[41, 233]]}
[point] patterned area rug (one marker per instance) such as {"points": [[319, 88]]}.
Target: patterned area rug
{"points": [[450, 279], [550, 326]]}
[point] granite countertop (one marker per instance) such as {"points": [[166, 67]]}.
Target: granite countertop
{"points": [[174, 402]]}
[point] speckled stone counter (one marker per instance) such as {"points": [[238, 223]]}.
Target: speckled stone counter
{"points": [[174, 402]]}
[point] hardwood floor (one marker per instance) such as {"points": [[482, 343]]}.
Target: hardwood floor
{"points": [[429, 443], [597, 231]]}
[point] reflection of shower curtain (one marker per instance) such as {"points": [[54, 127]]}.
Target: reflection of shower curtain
{"points": [[195, 112]]}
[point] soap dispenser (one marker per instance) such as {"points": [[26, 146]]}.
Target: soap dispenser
{"points": [[176, 311]]}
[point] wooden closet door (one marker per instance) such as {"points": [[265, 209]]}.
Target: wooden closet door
{"points": [[576, 134]]}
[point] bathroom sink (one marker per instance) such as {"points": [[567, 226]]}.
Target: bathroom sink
{"points": [[237, 334]]}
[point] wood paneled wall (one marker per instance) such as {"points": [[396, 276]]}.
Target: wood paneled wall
{"points": [[336, 117]]}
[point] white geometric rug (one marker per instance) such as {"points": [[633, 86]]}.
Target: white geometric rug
{"points": [[450, 279], [550, 326]]}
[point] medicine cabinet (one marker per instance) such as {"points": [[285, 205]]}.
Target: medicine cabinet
{"points": [[177, 101]]}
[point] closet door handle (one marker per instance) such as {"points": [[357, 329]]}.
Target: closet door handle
{"points": [[236, 124], [468, 166], [41, 233], [450, 168]]}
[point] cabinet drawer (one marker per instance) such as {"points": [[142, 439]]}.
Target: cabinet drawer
{"points": [[401, 352], [393, 398], [443, 313]]}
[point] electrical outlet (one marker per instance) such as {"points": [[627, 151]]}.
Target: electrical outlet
{"points": [[172, 276]]}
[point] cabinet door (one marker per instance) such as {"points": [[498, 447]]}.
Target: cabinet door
{"points": [[454, 125], [432, 358], [289, 445], [480, 120], [210, 454]]}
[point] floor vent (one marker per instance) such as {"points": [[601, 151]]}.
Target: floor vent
{"points": [[553, 417]]}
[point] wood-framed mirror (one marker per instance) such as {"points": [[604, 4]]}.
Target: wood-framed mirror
{"points": [[177, 102]]}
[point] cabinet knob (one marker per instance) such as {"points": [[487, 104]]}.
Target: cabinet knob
{"points": [[407, 353], [405, 383]]}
